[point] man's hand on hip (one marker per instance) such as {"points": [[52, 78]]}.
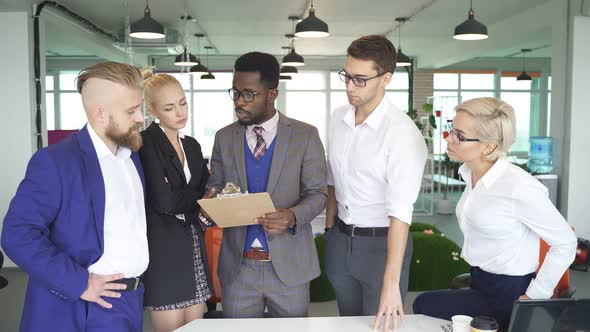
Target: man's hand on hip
{"points": [[278, 222], [389, 306], [99, 286]]}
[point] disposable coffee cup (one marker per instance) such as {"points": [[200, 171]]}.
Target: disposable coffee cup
{"points": [[461, 323], [484, 324]]}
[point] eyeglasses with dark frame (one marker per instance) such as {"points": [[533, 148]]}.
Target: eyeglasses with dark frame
{"points": [[235, 94], [358, 81], [461, 138]]}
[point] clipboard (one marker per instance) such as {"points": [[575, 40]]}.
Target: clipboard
{"points": [[240, 210]]}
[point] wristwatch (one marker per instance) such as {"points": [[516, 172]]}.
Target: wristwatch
{"points": [[326, 229]]}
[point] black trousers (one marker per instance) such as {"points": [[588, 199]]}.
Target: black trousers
{"points": [[489, 295]]}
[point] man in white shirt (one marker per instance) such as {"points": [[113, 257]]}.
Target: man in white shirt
{"points": [[376, 162], [77, 222]]}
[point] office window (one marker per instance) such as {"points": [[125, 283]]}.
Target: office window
{"points": [[451, 89], [213, 109], [305, 100], [524, 97], [49, 102]]}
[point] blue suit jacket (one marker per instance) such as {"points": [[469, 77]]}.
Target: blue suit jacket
{"points": [[54, 231]]}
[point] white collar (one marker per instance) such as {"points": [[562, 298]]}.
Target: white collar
{"points": [[102, 149], [268, 125]]}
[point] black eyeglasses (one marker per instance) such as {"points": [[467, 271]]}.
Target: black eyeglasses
{"points": [[235, 94], [358, 81], [458, 138]]}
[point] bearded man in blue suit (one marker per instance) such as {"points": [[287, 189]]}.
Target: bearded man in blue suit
{"points": [[77, 222]]}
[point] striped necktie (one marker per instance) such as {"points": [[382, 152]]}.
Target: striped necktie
{"points": [[260, 148]]}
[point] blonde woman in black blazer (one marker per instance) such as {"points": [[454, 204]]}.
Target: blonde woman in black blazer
{"points": [[177, 279]]}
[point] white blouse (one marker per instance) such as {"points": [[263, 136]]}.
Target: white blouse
{"points": [[185, 169], [503, 219]]}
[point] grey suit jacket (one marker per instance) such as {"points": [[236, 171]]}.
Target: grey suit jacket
{"points": [[297, 180]]}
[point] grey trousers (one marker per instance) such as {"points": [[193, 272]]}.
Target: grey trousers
{"points": [[355, 267], [256, 287]]}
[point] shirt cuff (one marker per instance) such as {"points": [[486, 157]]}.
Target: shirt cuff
{"points": [[536, 292], [404, 215]]}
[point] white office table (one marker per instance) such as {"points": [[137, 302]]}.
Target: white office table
{"points": [[412, 323]]}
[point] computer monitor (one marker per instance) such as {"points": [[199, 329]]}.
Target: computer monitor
{"points": [[555, 315]]}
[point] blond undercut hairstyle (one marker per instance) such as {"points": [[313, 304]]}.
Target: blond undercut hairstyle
{"points": [[154, 81], [495, 123], [115, 72]]}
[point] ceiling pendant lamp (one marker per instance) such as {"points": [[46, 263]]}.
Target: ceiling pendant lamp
{"points": [[147, 27], [402, 60], [199, 69], [209, 75], [289, 71], [284, 78], [471, 29], [293, 59], [311, 26], [524, 76], [185, 59]]}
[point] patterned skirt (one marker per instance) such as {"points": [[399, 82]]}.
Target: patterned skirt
{"points": [[202, 291]]}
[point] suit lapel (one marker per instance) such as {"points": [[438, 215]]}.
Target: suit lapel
{"points": [[166, 147], [95, 181], [280, 152], [137, 163], [238, 145]]}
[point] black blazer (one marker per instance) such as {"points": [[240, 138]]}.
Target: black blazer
{"points": [[170, 277]]}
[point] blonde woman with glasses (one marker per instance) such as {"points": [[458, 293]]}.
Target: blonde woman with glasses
{"points": [[503, 213]]}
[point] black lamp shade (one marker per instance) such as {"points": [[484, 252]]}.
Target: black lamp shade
{"points": [[293, 59], [186, 59], [402, 60], [284, 78], [471, 29], [311, 27], [524, 77], [147, 27], [199, 69], [289, 71], [208, 76]]}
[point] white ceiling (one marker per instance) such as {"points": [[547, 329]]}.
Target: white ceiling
{"points": [[235, 27]]}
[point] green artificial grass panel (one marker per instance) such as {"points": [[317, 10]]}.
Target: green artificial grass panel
{"points": [[320, 288], [435, 262], [421, 227]]}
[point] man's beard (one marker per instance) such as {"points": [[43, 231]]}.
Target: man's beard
{"points": [[131, 139], [254, 118]]}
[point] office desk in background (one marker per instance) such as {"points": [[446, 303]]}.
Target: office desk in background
{"points": [[412, 323]]}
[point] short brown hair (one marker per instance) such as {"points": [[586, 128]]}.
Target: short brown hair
{"points": [[116, 72], [376, 48]]}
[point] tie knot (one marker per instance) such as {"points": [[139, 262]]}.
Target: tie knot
{"points": [[258, 130]]}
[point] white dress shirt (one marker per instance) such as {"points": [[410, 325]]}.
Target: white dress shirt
{"points": [[125, 238], [376, 167], [503, 219], [268, 134], [185, 169]]}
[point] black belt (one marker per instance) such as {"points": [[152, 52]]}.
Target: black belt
{"points": [[352, 230], [132, 283]]}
